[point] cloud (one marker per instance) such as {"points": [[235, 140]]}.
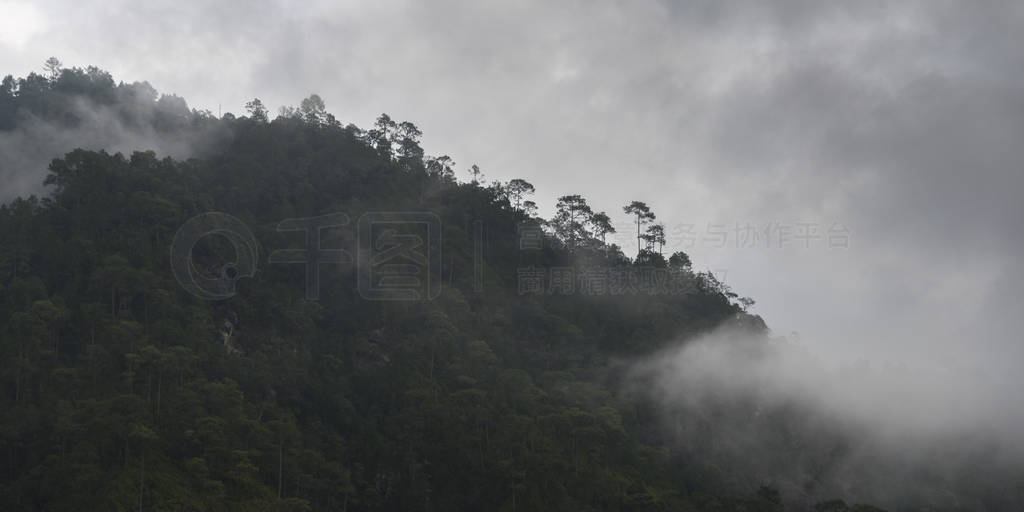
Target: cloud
{"points": [[770, 410], [26, 152], [21, 21]]}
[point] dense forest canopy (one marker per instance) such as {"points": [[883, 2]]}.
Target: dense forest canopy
{"points": [[501, 389]]}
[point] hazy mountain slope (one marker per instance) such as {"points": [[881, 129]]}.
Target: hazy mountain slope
{"points": [[121, 390]]}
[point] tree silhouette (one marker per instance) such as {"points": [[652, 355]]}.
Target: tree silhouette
{"points": [[655, 235], [679, 259], [643, 215], [257, 112], [406, 143], [441, 167], [314, 111], [476, 173], [381, 135], [53, 68], [602, 226], [529, 208], [517, 190], [570, 218]]}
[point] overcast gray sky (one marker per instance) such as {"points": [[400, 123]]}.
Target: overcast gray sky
{"points": [[893, 131]]}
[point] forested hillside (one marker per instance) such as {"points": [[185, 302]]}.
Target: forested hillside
{"points": [[499, 388]]}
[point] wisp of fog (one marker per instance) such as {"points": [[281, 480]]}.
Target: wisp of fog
{"points": [[818, 427]]}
